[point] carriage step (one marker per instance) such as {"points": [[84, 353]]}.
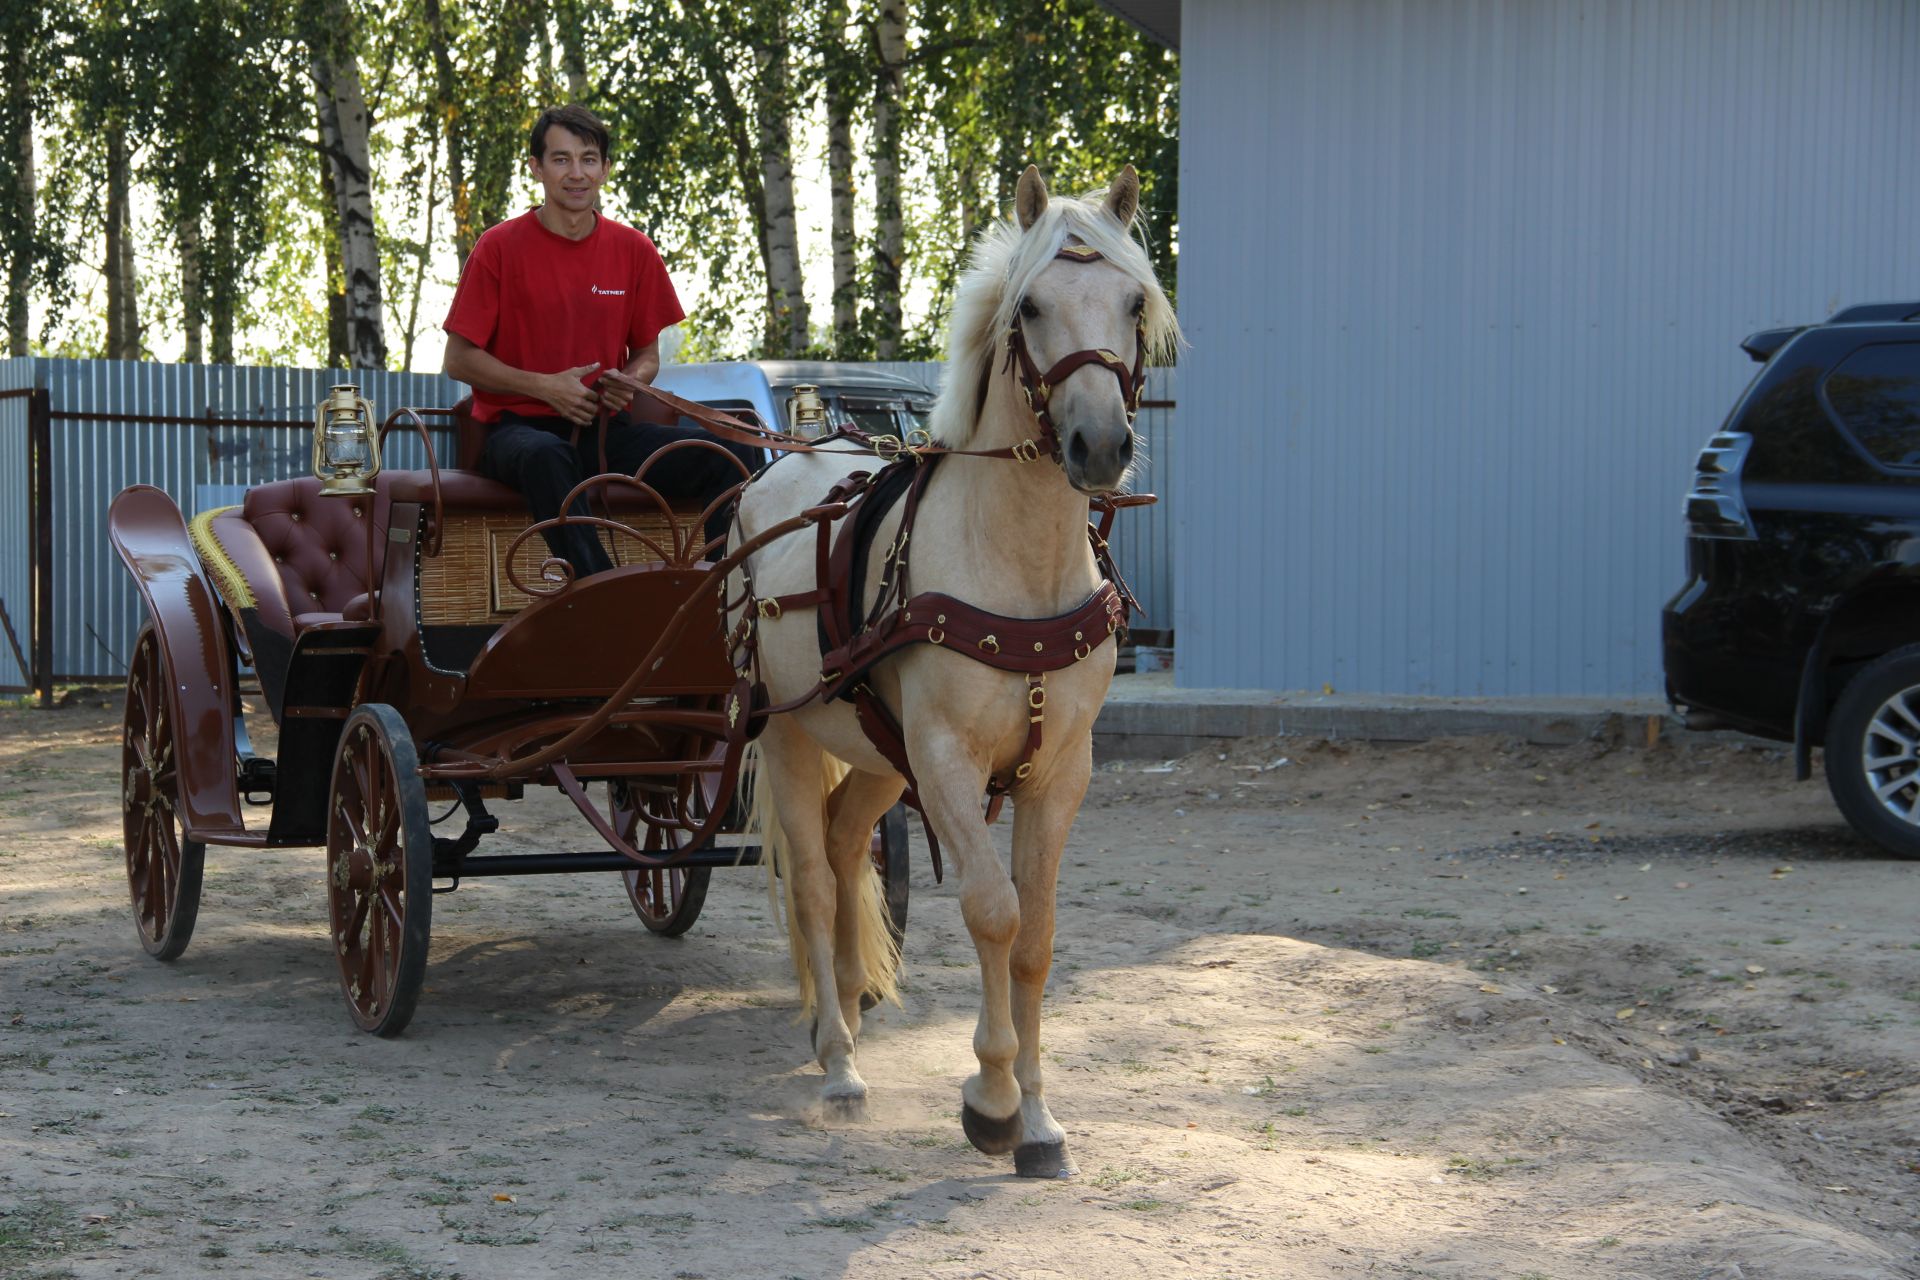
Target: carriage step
{"points": [[535, 864]]}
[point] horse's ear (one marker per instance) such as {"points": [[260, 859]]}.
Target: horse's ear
{"points": [[1030, 199], [1123, 197]]}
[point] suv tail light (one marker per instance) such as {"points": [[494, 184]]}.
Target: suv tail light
{"points": [[1715, 508]]}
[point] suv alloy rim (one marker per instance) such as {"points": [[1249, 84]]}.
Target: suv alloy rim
{"points": [[1890, 754]]}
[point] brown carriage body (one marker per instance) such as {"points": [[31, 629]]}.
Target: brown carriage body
{"points": [[416, 640]]}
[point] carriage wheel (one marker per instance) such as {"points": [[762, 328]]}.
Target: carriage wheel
{"points": [[667, 899], [891, 858], [163, 866], [379, 869]]}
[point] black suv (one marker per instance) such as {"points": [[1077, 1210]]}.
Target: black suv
{"points": [[1800, 619]]}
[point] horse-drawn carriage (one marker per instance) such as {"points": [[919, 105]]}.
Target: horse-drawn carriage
{"points": [[951, 639], [414, 645]]}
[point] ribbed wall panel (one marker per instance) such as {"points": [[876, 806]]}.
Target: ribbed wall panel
{"points": [[16, 522], [1465, 281]]}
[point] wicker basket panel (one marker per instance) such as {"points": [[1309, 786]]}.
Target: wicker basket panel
{"points": [[468, 584]]}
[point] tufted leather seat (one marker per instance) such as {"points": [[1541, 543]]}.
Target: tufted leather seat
{"points": [[303, 556]]}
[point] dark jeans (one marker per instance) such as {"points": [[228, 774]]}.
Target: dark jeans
{"points": [[534, 456]]}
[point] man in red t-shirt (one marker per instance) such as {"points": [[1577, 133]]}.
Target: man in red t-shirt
{"points": [[558, 315]]}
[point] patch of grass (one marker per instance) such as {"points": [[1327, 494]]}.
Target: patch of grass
{"points": [[1430, 913], [844, 1224], [1473, 1167], [1110, 1177], [1147, 1205]]}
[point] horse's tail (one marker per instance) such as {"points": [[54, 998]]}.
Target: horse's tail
{"points": [[879, 949]]}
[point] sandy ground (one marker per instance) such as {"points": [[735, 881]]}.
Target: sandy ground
{"points": [[1466, 1009]]}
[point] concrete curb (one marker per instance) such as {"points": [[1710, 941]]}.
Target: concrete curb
{"points": [[1145, 717]]}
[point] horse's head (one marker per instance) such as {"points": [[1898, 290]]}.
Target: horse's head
{"points": [[1070, 295]]}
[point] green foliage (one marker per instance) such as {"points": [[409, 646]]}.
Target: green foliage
{"points": [[218, 104]]}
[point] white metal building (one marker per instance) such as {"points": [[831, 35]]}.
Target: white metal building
{"points": [[1464, 282]]}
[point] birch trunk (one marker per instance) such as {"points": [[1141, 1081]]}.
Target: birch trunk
{"points": [[787, 324], [733, 120], [839, 97], [123, 306], [20, 254], [193, 295], [220, 298], [890, 42], [426, 247], [465, 228], [343, 139]]}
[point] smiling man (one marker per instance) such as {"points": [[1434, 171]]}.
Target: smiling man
{"points": [[558, 315]]}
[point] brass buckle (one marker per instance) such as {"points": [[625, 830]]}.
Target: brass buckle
{"points": [[1080, 651], [768, 608], [991, 644], [936, 636], [1026, 451], [1024, 771], [1037, 697], [888, 448]]}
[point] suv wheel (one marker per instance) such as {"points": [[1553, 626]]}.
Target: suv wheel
{"points": [[1873, 752]]}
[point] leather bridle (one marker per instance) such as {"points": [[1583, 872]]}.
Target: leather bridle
{"points": [[1038, 387]]}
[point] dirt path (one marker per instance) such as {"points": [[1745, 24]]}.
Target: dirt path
{"points": [[1457, 1010]]}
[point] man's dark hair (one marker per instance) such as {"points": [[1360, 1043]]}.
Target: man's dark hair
{"points": [[572, 117]]}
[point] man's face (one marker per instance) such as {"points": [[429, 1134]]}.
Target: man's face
{"points": [[571, 171]]}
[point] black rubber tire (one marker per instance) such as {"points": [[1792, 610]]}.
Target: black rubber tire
{"points": [[376, 751], [1849, 729], [161, 862], [893, 856]]}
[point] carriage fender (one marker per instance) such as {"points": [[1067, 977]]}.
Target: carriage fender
{"points": [[150, 536]]}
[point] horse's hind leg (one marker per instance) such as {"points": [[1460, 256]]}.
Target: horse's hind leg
{"points": [[864, 951], [1043, 813], [795, 768]]}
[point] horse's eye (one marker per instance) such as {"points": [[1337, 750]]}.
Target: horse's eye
{"points": [[1028, 311], [1140, 305]]}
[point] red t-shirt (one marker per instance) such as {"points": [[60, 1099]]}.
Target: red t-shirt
{"points": [[541, 302]]}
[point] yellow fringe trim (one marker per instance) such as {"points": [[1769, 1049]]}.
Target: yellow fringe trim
{"points": [[226, 574]]}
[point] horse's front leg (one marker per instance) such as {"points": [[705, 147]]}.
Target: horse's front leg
{"points": [[1043, 813], [951, 783]]}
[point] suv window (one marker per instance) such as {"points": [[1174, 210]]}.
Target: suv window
{"points": [[1875, 393]]}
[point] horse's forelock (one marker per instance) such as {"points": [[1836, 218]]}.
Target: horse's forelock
{"points": [[999, 272]]}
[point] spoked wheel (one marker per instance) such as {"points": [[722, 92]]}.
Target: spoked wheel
{"points": [[163, 866], [379, 869], [1873, 752], [667, 899], [890, 856]]}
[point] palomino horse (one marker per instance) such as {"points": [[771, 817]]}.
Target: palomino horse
{"points": [[1008, 535]]}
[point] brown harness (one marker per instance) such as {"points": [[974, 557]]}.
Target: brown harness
{"points": [[853, 639]]}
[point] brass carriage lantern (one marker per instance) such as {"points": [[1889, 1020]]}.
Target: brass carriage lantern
{"points": [[346, 448], [807, 411]]}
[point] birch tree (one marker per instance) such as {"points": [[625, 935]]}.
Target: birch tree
{"points": [[17, 224], [343, 125], [838, 71], [123, 291], [787, 323], [889, 245]]}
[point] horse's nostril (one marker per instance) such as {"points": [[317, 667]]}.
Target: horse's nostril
{"points": [[1126, 448], [1077, 450]]}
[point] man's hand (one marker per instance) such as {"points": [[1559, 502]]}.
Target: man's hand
{"points": [[570, 396], [616, 390]]}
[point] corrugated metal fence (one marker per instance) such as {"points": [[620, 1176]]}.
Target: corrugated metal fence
{"points": [[205, 433]]}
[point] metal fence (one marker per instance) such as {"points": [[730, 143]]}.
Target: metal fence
{"points": [[73, 433]]}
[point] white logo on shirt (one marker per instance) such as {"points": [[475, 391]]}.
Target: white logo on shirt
{"points": [[606, 293]]}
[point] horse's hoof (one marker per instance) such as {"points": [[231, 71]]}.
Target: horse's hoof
{"points": [[1042, 1160], [847, 1109], [994, 1137]]}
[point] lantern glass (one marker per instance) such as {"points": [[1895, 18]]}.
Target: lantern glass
{"points": [[346, 446]]}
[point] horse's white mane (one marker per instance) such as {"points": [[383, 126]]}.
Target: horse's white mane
{"points": [[999, 272]]}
